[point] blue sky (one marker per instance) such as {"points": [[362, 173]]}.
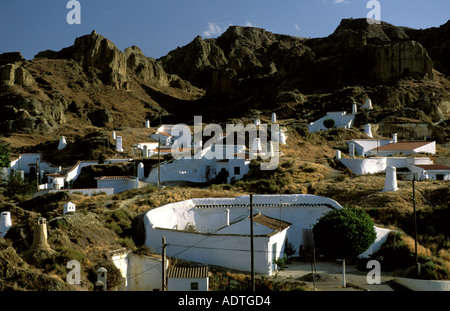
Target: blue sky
{"points": [[158, 27]]}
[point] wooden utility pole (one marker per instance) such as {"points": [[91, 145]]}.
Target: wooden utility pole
{"points": [[415, 224], [37, 174], [163, 264], [159, 162], [252, 257]]}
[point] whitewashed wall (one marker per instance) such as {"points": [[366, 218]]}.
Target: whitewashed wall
{"points": [[75, 171], [24, 161], [195, 170], [166, 220], [142, 273], [365, 166], [87, 191], [423, 285], [364, 145], [119, 185], [229, 251], [375, 165], [341, 119], [382, 235], [184, 284]]}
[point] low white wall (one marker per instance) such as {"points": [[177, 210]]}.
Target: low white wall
{"points": [[75, 171], [87, 191], [182, 170], [375, 165], [184, 284], [382, 235], [229, 251], [119, 185], [423, 285], [365, 166], [144, 273], [141, 273], [341, 119]]}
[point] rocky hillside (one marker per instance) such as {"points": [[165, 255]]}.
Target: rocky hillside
{"points": [[250, 68], [92, 85]]}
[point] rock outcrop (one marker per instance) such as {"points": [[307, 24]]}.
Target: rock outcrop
{"points": [[98, 52], [145, 68], [407, 58], [15, 74], [437, 42]]}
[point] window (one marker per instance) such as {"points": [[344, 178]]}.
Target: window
{"points": [[194, 285], [237, 170], [439, 177]]}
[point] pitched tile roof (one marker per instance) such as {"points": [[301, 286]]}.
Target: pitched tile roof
{"points": [[116, 178], [431, 167], [187, 272], [403, 146], [272, 223]]}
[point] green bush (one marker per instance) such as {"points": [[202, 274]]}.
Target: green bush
{"points": [[344, 233]]}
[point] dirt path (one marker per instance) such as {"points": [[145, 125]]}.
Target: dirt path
{"points": [[329, 277]]}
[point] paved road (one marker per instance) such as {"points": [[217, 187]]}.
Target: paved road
{"points": [[329, 277]]}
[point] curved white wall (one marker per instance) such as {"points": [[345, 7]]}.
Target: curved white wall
{"points": [[423, 285]]}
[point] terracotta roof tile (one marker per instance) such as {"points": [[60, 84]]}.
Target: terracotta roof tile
{"points": [[403, 146], [272, 223], [431, 167], [187, 272], [116, 177]]}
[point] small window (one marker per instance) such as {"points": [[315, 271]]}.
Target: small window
{"points": [[439, 177], [237, 170], [194, 285]]}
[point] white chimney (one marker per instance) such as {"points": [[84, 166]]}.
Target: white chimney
{"points": [[227, 217], [140, 172], [351, 150], [257, 144], [119, 144], [338, 154], [282, 137], [257, 122], [145, 151], [274, 117], [354, 108], [368, 130], [367, 105], [394, 138], [62, 143], [5, 223], [114, 135], [147, 124], [390, 183], [271, 150]]}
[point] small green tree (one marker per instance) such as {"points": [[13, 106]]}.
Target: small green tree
{"points": [[344, 234], [4, 154]]}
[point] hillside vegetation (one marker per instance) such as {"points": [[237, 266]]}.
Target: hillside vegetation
{"points": [[89, 89]]}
